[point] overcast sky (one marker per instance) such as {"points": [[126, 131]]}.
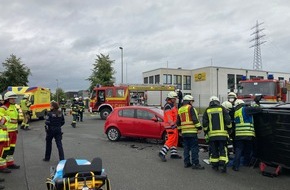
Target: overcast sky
{"points": [[59, 39]]}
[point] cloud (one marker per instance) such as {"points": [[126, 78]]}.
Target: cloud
{"points": [[59, 40]]}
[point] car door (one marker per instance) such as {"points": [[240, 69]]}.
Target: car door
{"points": [[125, 121], [145, 126]]}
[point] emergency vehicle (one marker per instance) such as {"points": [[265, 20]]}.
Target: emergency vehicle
{"points": [[39, 98], [271, 90], [105, 99]]}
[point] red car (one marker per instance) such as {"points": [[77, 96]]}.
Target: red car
{"points": [[135, 121]]}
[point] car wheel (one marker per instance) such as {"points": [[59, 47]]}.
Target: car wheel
{"points": [[105, 113], [113, 134]]}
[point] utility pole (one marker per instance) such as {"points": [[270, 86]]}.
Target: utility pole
{"points": [[56, 91], [257, 62], [122, 59]]}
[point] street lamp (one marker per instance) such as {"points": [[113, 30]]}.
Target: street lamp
{"points": [[121, 48], [56, 90]]}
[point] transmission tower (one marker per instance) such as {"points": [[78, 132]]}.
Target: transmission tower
{"points": [[257, 63]]}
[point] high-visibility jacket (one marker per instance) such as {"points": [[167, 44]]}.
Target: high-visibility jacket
{"points": [[10, 112], [75, 108], [189, 123], [244, 123], [3, 129], [216, 122], [170, 115], [25, 104]]}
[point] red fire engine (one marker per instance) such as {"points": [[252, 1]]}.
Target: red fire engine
{"points": [[105, 99], [272, 90]]}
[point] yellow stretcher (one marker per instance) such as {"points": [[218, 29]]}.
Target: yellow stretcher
{"points": [[77, 174]]}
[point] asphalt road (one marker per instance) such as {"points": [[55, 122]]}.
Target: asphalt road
{"points": [[130, 164]]}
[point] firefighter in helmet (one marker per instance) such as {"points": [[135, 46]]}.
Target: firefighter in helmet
{"points": [[25, 104], [244, 132], [62, 104], [190, 126], [81, 108], [216, 122], [170, 118], [74, 112], [8, 110]]}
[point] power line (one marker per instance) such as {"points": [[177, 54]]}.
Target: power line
{"points": [[257, 62]]}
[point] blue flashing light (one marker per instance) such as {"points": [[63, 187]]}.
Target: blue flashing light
{"points": [[244, 77], [270, 76]]}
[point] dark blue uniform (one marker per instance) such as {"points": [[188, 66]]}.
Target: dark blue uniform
{"points": [[54, 121]]}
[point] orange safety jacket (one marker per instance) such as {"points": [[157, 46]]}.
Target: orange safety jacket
{"points": [[170, 115]]}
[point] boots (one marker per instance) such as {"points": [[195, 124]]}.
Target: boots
{"points": [[162, 157], [197, 167], [73, 125], [2, 187], [13, 166], [175, 156], [5, 170]]}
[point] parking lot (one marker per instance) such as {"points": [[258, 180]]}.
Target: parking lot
{"points": [[130, 164]]}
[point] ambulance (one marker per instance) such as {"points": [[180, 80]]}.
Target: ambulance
{"points": [[39, 98]]}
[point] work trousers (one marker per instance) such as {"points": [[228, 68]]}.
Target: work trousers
{"points": [[190, 145], [57, 135], [219, 155], [243, 148]]}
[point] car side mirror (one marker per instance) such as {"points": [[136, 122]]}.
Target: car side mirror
{"points": [[154, 119]]}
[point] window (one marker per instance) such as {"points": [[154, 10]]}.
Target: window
{"points": [[157, 79], [280, 78], [167, 79], [151, 80], [120, 92], [260, 77], [177, 80], [142, 114], [127, 113], [252, 77], [231, 81], [238, 79], [187, 83], [109, 92], [145, 80]]}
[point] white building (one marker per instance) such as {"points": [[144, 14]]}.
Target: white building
{"points": [[202, 83]]}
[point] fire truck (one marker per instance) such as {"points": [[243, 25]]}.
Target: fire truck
{"points": [[271, 90], [105, 99]]}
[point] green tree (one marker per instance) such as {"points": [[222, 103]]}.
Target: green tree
{"points": [[59, 94], [15, 73], [103, 72]]}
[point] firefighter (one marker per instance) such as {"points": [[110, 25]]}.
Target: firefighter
{"points": [[63, 106], [53, 124], [74, 112], [170, 118], [81, 108], [190, 126], [8, 109], [216, 122], [244, 132], [232, 97], [25, 104], [180, 97], [3, 143]]}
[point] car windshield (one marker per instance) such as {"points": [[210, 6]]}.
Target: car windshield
{"points": [[19, 98], [254, 88]]}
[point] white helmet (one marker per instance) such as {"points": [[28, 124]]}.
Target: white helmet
{"points": [[177, 90], [172, 95], [214, 98], [9, 95], [228, 105], [239, 101], [232, 94], [188, 98]]}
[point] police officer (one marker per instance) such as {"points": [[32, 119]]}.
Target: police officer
{"points": [[170, 118], [8, 109], [244, 132], [216, 122], [81, 108], [190, 126], [25, 104], [53, 124], [74, 112]]}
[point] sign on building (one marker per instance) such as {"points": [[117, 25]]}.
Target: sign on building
{"points": [[200, 76]]}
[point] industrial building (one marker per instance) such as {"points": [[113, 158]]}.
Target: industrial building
{"points": [[202, 83]]}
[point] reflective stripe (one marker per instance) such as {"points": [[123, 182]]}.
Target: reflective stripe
{"points": [[219, 129], [243, 128], [187, 125]]}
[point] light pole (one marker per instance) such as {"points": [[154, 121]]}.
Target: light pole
{"points": [[56, 90], [121, 48]]}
